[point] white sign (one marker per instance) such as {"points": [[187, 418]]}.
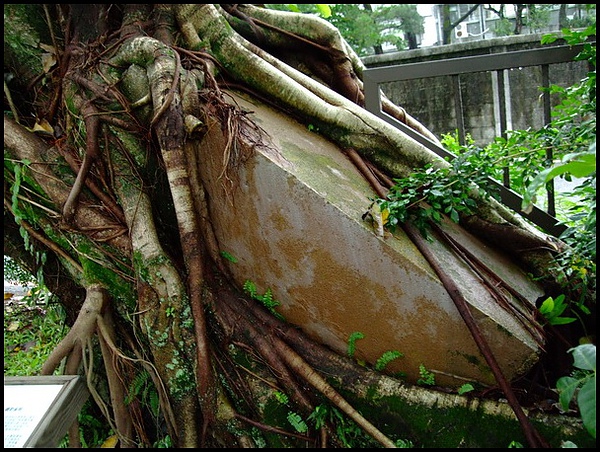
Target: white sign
{"points": [[24, 408], [38, 410]]}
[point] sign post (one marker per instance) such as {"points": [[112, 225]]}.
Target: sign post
{"points": [[38, 411]]}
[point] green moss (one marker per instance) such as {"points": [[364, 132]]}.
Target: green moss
{"points": [[318, 171], [95, 272], [159, 338], [183, 381], [70, 104], [23, 24], [140, 267], [504, 330], [451, 427], [186, 319]]}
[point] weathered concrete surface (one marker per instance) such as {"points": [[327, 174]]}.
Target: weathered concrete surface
{"points": [[292, 217]]}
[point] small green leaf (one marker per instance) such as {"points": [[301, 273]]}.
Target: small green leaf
{"points": [[566, 387], [454, 216], [386, 358], [296, 421], [467, 387], [281, 397], [324, 10], [352, 342], [228, 256]]}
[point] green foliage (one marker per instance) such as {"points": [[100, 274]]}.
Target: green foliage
{"points": [[357, 26], [553, 308], [427, 378], [93, 429], [383, 360], [581, 386], [296, 421], [404, 444], [266, 299], [467, 387], [15, 274], [323, 10], [143, 388], [18, 176], [349, 433], [230, 257], [281, 397], [293, 418], [170, 311], [537, 17], [364, 28], [163, 443], [386, 358], [430, 192], [311, 8], [503, 27], [579, 164], [33, 326], [352, 342], [583, 20]]}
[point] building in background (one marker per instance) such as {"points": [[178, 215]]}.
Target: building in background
{"points": [[484, 23]]}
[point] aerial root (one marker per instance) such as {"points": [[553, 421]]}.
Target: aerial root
{"points": [[288, 366]]}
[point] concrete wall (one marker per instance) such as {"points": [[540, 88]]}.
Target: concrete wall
{"points": [[431, 100], [291, 215]]}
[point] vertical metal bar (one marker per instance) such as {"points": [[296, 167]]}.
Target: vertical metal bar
{"points": [[549, 153], [372, 94], [459, 110], [502, 114]]}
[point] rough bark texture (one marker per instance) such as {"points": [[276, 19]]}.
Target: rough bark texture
{"points": [[110, 192]]}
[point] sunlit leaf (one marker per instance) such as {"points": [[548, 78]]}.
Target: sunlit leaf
{"points": [[42, 126], [324, 10], [48, 61], [467, 387], [47, 48], [110, 442]]}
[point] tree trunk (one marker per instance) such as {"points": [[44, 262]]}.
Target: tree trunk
{"points": [[519, 9], [101, 176]]}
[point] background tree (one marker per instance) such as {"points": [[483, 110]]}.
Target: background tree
{"points": [[404, 18], [105, 110], [448, 24], [367, 28]]}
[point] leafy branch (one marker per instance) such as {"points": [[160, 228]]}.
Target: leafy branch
{"points": [[430, 192], [581, 385]]}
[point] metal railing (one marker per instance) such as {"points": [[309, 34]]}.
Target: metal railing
{"points": [[454, 67]]}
